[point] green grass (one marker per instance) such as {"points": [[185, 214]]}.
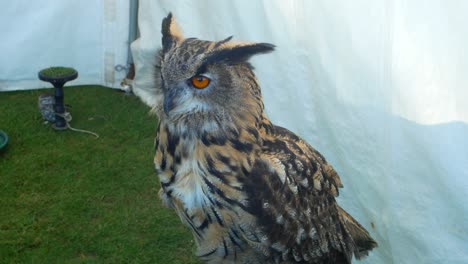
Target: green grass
{"points": [[67, 197]]}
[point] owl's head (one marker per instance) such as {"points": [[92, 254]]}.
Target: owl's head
{"points": [[207, 84]]}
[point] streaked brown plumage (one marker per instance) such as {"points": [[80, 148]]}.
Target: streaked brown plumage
{"points": [[250, 191]]}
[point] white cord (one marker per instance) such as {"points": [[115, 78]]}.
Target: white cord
{"points": [[67, 116]]}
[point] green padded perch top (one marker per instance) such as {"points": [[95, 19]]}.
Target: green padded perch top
{"points": [[58, 74]]}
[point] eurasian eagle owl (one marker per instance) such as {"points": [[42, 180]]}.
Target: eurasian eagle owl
{"points": [[250, 191]]}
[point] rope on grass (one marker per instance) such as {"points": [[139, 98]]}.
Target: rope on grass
{"points": [[67, 116]]}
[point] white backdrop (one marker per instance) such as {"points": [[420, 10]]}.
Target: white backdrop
{"points": [[379, 87], [90, 36]]}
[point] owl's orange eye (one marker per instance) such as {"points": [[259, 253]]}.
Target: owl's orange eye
{"points": [[200, 81]]}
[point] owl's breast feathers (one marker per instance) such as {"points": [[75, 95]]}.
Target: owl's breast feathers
{"points": [[257, 195]]}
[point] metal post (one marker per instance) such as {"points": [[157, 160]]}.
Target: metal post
{"points": [[59, 107]]}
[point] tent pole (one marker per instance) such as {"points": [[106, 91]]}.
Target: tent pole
{"points": [[132, 36], [133, 30]]}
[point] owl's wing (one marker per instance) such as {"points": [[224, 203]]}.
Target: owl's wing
{"points": [[292, 191]]}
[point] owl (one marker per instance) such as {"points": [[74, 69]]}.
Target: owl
{"points": [[249, 191]]}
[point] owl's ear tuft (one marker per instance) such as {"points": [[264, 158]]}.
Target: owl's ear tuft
{"points": [[237, 54], [171, 33], [247, 51]]}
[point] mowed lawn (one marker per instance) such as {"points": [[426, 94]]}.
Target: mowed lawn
{"points": [[67, 197]]}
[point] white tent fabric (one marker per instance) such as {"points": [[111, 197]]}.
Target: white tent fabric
{"points": [[379, 87], [90, 36]]}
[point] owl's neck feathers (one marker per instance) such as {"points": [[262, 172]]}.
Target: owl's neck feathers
{"points": [[238, 137], [220, 129]]}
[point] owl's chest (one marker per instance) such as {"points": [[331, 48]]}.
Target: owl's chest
{"points": [[181, 174], [188, 187]]}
